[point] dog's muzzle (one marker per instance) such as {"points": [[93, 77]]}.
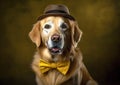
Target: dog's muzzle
{"points": [[55, 44]]}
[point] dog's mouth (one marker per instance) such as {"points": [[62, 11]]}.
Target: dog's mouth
{"points": [[55, 50]]}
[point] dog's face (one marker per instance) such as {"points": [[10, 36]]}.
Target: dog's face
{"points": [[57, 34], [54, 33]]}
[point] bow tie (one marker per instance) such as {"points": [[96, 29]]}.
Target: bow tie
{"points": [[62, 67]]}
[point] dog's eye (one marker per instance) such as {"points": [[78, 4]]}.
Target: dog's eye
{"points": [[47, 26], [64, 26]]}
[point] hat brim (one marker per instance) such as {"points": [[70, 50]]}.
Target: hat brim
{"points": [[56, 14]]}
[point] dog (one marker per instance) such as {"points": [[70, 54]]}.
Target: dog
{"points": [[58, 61]]}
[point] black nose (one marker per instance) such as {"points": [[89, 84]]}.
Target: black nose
{"points": [[56, 38]]}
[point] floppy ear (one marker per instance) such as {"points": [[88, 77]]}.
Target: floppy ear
{"points": [[35, 34], [76, 33]]}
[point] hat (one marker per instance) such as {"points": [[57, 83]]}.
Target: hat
{"points": [[56, 10]]}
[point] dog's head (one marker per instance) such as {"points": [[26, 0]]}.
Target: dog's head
{"points": [[57, 34]]}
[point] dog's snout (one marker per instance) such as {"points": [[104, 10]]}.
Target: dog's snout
{"points": [[56, 38]]}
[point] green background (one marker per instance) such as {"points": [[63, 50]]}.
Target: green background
{"points": [[100, 44]]}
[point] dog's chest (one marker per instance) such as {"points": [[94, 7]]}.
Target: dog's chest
{"points": [[54, 77]]}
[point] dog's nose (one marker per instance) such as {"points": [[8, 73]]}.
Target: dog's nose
{"points": [[56, 38]]}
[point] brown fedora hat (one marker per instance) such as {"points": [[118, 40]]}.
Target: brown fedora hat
{"points": [[56, 10]]}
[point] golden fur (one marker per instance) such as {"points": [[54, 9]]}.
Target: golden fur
{"points": [[77, 74]]}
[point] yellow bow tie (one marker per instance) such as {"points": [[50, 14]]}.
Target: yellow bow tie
{"points": [[62, 67]]}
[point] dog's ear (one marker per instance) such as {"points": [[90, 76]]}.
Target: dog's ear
{"points": [[76, 33], [35, 34]]}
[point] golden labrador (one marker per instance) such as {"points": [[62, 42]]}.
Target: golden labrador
{"points": [[58, 61]]}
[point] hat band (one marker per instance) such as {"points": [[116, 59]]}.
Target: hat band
{"points": [[55, 11]]}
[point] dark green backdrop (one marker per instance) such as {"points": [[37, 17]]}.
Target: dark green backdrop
{"points": [[98, 19]]}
